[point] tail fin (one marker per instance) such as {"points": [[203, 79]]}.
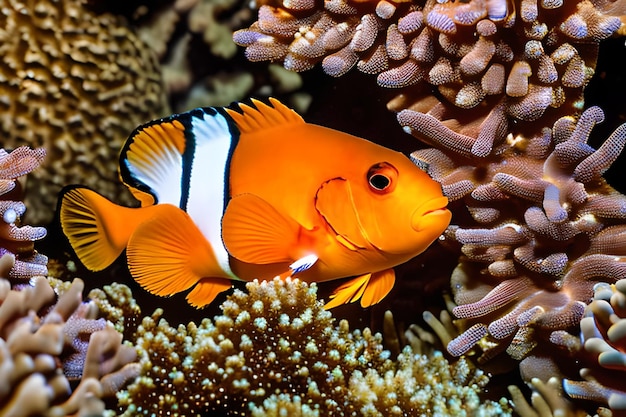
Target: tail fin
{"points": [[97, 229]]}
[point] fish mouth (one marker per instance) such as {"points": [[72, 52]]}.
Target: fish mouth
{"points": [[426, 214]]}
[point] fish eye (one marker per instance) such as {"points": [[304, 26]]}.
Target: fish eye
{"points": [[381, 177], [379, 181]]}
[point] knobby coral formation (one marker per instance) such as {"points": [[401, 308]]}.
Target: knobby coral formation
{"points": [[117, 305], [523, 55], [276, 350], [75, 83], [550, 228], [45, 348], [603, 344], [15, 239]]}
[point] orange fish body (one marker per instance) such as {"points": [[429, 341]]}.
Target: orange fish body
{"points": [[243, 195]]}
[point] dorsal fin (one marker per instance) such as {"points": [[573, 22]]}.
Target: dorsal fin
{"points": [[157, 161], [151, 160], [263, 116]]}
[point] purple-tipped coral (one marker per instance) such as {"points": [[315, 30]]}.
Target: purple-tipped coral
{"points": [[547, 229], [603, 341], [528, 55], [45, 345], [16, 239]]}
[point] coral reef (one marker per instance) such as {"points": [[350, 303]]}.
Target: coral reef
{"points": [[542, 225], [213, 20], [75, 83], [525, 55], [17, 239], [173, 30], [56, 359], [277, 350], [117, 305], [550, 229], [602, 344]]}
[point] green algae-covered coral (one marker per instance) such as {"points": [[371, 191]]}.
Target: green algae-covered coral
{"points": [[276, 350]]}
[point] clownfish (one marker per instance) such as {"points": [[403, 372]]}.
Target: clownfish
{"points": [[256, 192]]}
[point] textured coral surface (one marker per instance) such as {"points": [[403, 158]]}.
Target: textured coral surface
{"points": [[56, 357], [526, 55], [549, 228], [76, 83], [276, 349], [602, 344], [17, 239]]}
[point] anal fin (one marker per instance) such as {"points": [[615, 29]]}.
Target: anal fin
{"points": [[369, 288], [168, 254], [206, 290]]}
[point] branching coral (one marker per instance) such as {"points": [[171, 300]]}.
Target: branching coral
{"points": [[527, 55], [277, 349], [117, 305], [41, 353], [75, 83], [213, 20], [603, 343], [16, 239], [550, 228]]}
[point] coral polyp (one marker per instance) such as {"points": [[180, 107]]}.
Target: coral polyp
{"points": [[547, 229], [602, 345], [17, 239], [527, 55], [276, 349]]}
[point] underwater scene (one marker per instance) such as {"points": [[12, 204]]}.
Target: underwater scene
{"points": [[312, 208]]}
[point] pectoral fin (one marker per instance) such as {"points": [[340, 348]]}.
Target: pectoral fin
{"points": [[255, 232], [379, 286], [370, 288]]}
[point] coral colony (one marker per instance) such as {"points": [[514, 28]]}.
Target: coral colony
{"points": [[75, 83], [276, 350], [494, 88], [545, 226], [527, 55], [18, 242]]}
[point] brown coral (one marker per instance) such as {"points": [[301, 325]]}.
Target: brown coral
{"points": [[276, 351], [75, 83], [525, 54], [549, 228], [39, 355], [17, 239]]}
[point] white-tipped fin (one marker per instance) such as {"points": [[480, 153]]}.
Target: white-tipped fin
{"points": [[302, 264]]}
